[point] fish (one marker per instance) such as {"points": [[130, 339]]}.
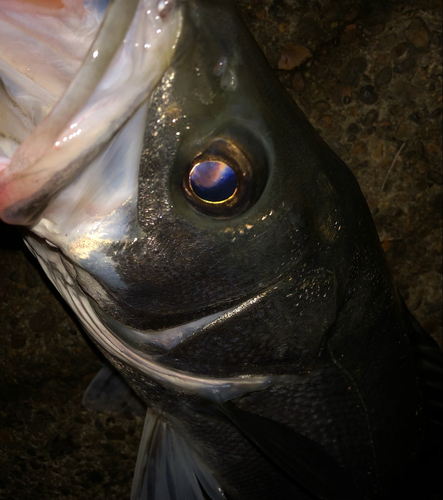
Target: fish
{"points": [[259, 326]]}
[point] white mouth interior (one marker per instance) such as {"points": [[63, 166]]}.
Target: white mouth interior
{"points": [[64, 113]]}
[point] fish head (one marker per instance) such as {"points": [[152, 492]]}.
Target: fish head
{"points": [[116, 192], [188, 199]]}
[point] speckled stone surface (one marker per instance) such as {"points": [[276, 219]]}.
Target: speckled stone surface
{"points": [[369, 77]]}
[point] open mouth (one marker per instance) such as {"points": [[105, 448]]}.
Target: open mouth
{"points": [[62, 115]]}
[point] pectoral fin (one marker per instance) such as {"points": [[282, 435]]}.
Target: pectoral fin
{"points": [[168, 469], [108, 392], [305, 461]]}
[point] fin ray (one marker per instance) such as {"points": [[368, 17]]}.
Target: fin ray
{"points": [[109, 392], [168, 469]]}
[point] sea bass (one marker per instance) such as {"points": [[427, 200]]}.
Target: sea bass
{"points": [[217, 252]]}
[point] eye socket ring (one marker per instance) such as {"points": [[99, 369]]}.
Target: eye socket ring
{"points": [[218, 182]]}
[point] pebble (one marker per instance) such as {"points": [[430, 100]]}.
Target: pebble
{"points": [[346, 90], [359, 148], [383, 59], [322, 106], [367, 94], [417, 34], [353, 112], [353, 69], [405, 66], [386, 124], [399, 49], [337, 64], [352, 13], [353, 128], [370, 117], [416, 147], [331, 12], [326, 121], [261, 14], [298, 82], [293, 56], [383, 77], [350, 28], [388, 40], [374, 30], [433, 149], [406, 91]]}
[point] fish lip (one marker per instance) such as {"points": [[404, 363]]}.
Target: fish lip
{"points": [[150, 341], [165, 339], [124, 357]]}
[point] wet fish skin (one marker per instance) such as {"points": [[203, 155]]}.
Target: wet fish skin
{"points": [[327, 370], [346, 324]]}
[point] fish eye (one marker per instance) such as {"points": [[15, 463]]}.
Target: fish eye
{"points": [[213, 181], [223, 180]]}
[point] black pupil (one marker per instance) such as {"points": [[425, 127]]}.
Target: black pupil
{"points": [[213, 181]]}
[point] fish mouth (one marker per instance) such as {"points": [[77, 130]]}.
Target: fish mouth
{"points": [[121, 345], [74, 115]]}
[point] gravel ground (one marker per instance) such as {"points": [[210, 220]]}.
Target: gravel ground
{"points": [[369, 77]]}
